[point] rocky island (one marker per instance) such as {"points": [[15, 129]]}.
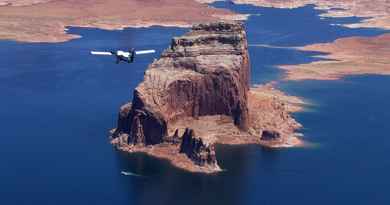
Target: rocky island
{"points": [[198, 94]]}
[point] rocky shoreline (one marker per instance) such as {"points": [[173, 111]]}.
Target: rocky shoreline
{"points": [[198, 95]]}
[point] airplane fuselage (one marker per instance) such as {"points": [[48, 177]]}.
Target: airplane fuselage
{"points": [[124, 56]]}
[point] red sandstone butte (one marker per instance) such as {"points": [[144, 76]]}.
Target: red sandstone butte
{"points": [[196, 95]]}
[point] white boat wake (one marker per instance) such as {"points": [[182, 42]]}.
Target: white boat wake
{"points": [[130, 174]]}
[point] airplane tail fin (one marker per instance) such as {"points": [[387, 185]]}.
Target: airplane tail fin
{"points": [[132, 55]]}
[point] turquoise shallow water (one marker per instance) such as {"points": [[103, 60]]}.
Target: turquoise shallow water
{"points": [[58, 103]]}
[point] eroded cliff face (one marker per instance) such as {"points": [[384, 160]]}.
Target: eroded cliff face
{"points": [[198, 150], [197, 94], [204, 72]]}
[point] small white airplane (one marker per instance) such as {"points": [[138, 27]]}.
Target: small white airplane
{"points": [[123, 55]]}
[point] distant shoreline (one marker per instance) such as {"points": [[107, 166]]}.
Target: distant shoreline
{"points": [[376, 12], [343, 57], [46, 21]]}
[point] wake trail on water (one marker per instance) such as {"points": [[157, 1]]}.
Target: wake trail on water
{"points": [[125, 173], [271, 46]]}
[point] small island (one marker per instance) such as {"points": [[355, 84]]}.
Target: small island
{"points": [[198, 94]]}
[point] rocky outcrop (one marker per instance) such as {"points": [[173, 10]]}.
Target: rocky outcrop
{"points": [[205, 72], [143, 125], [202, 153], [197, 94]]}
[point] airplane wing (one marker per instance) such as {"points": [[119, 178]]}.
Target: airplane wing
{"points": [[145, 52], [101, 53]]}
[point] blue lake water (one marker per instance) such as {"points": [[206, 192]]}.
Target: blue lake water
{"points": [[58, 103]]}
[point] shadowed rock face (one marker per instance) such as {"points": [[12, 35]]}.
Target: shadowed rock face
{"points": [[144, 126], [205, 72], [201, 153], [270, 135]]}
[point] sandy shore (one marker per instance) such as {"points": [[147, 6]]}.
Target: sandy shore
{"points": [[45, 20], [345, 56]]}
